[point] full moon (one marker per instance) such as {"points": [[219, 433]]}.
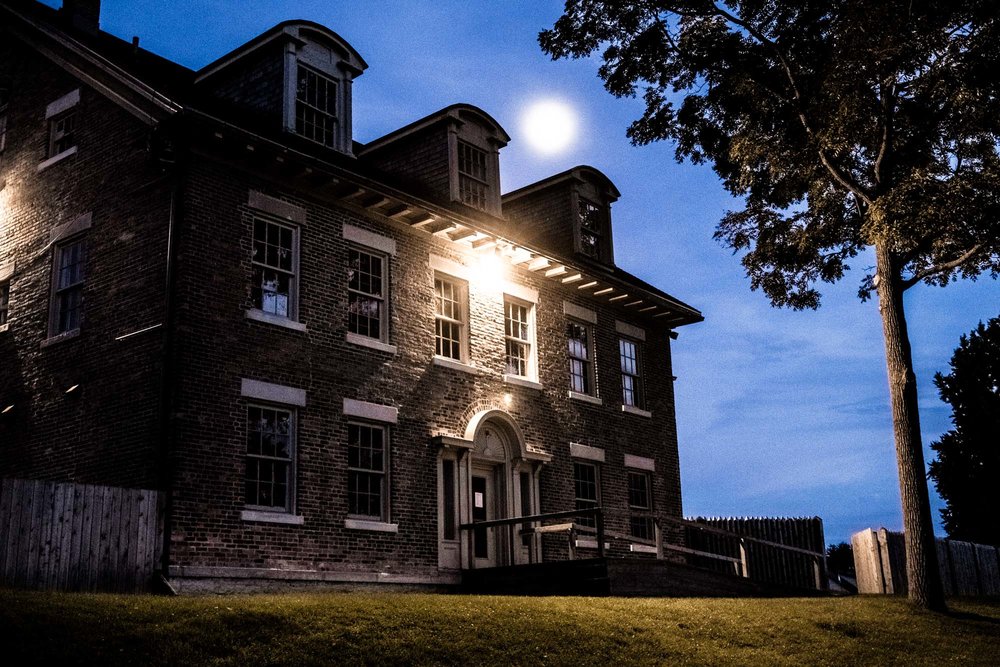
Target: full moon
{"points": [[549, 126]]}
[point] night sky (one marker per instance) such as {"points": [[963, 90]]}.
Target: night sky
{"points": [[779, 412]]}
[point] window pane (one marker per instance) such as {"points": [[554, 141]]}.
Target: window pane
{"points": [[268, 457], [315, 106], [578, 336], [4, 302], [585, 489], [273, 276], [366, 470]]}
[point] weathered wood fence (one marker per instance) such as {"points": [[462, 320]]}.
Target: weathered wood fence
{"points": [[966, 568], [78, 536], [764, 562]]}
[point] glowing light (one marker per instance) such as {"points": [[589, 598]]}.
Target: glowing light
{"points": [[488, 271], [508, 400], [549, 126]]}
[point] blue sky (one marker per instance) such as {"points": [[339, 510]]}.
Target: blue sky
{"points": [[779, 413]]}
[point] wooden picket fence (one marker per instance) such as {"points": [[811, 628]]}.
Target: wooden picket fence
{"points": [[59, 536], [966, 568], [774, 550]]}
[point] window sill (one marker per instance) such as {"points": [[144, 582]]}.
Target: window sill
{"points": [[376, 526], [522, 382], [591, 544], [365, 341], [586, 398], [445, 362], [642, 549], [59, 338], [632, 410], [272, 517], [45, 164], [268, 318]]}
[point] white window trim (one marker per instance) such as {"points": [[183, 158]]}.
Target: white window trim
{"points": [[521, 292], [630, 330], [262, 516], [59, 157], [579, 312], [591, 361], [293, 460], [272, 393], [640, 463], [293, 298], [276, 207], [367, 524], [371, 240], [448, 362], [63, 104], [366, 341], [632, 410], [586, 452], [352, 337], [462, 287], [586, 398], [260, 316], [452, 268], [375, 412], [530, 378]]}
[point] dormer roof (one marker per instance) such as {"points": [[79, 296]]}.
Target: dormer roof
{"points": [[297, 30], [460, 113], [579, 174]]}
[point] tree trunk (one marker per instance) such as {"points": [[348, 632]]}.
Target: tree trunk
{"points": [[923, 575]]}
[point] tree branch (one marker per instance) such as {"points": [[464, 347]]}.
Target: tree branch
{"points": [[941, 268], [838, 174], [888, 102]]}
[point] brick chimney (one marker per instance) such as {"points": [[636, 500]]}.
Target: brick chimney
{"points": [[83, 14]]}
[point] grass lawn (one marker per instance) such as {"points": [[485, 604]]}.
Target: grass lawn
{"points": [[386, 628]]}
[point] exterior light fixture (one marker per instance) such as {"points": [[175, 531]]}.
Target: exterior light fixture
{"points": [[508, 400], [72, 389], [7, 409], [488, 271]]}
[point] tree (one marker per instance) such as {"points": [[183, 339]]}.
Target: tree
{"points": [[845, 127], [840, 558], [967, 469]]}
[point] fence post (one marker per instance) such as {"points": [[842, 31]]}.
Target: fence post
{"points": [[572, 543], [743, 558], [658, 536]]}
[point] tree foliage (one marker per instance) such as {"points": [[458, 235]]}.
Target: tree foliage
{"points": [[839, 124], [967, 469], [840, 558], [844, 125]]}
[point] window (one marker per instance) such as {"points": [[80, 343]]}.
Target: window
{"points": [[366, 286], [592, 224], [4, 302], [67, 302], [274, 265], [366, 471], [472, 184], [449, 318], [315, 106], [581, 360], [586, 491], [631, 380], [519, 334], [640, 503], [61, 133], [270, 448]]}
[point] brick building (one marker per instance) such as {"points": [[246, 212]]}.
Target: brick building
{"points": [[329, 355]]}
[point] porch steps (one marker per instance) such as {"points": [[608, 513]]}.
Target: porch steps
{"points": [[619, 577]]}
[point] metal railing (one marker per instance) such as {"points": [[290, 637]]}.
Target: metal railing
{"points": [[534, 525]]}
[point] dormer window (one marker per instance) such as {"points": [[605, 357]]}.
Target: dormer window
{"points": [[592, 229], [472, 184], [315, 106]]}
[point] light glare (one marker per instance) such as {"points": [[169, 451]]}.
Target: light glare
{"points": [[549, 126]]}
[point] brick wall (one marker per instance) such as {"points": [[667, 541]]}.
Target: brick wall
{"points": [[218, 346], [106, 431], [420, 161], [544, 218], [253, 89]]}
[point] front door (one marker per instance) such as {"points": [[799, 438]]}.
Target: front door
{"points": [[484, 509]]}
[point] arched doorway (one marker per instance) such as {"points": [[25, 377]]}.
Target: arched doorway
{"points": [[489, 474]]}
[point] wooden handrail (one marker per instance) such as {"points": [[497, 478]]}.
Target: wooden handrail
{"points": [[729, 533], [590, 511]]}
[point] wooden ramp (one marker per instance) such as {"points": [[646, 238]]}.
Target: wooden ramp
{"points": [[619, 577]]}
